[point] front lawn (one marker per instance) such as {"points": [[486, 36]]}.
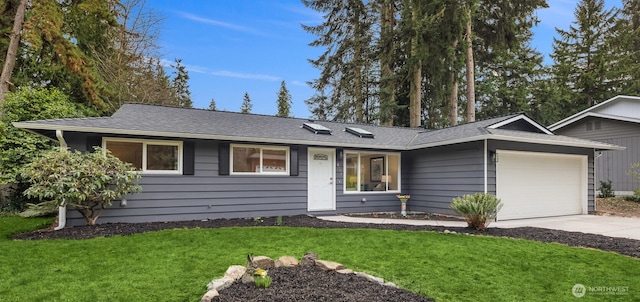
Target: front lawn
{"points": [[176, 265]]}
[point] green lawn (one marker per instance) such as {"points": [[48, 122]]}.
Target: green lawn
{"points": [[176, 265]]}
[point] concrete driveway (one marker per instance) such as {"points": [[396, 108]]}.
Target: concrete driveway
{"points": [[603, 225]]}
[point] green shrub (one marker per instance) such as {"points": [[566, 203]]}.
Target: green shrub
{"points": [[478, 209], [606, 190], [635, 197], [88, 182], [263, 282]]}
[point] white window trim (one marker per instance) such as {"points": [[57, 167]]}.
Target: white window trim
{"points": [[262, 148], [144, 143], [386, 163]]}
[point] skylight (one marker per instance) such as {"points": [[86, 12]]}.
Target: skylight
{"points": [[316, 128], [359, 132]]}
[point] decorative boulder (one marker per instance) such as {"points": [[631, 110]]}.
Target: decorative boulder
{"points": [[264, 262], [309, 259], [286, 261]]}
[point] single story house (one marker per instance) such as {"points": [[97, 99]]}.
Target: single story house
{"points": [[614, 121], [201, 164]]}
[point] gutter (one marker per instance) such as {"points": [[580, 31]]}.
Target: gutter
{"points": [[62, 210]]}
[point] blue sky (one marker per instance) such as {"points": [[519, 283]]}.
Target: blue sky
{"points": [[235, 46]]}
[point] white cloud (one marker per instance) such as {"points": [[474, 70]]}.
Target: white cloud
{"points": [[217, 23], [249, 76]]}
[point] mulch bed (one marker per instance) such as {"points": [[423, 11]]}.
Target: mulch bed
{"points": [[309, 284], [313, 284], [623, 246]]}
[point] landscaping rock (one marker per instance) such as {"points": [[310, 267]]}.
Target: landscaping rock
{"points": [[220, 284], [209, 296], [263, 262], [286, 261], [235, 272], [371, 278], [329, 265], [345, 271], [309, 259]]}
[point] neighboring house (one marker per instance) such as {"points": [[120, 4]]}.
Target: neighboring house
{"points": [[615, 121], [201, 164]]}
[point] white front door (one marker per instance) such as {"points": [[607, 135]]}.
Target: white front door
{"points": [[321, 187]]}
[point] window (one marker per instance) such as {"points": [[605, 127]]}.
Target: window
{"points": [[371, 172], [259, 159], [147, 155]]}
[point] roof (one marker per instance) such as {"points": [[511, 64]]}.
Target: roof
{"points": [[622, 107], [161, 121]]}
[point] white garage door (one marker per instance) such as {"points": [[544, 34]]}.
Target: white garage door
{"points": [[532, 184]]}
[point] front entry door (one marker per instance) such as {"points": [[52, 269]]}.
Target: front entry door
{"points": [[321, 188]]}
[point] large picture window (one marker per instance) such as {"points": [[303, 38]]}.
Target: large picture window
{"points": [[259, 159], [371, 172], [146, 155]]}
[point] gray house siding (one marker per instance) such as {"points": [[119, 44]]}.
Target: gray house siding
{"points": [[492, 146], [207, 195], [611, 165], [439, 174]]}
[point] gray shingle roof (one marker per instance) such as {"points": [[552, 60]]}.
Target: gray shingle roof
{"points": [[160, 121]]}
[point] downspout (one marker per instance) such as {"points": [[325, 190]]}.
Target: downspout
{"points": [[486, 167], [62, 210]]}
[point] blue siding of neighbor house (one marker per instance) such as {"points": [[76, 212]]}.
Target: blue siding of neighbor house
{"points": [[515, 146], [442, 173], [611, 165]]}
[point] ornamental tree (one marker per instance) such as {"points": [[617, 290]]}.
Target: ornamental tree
{"points": [[86, 181]]}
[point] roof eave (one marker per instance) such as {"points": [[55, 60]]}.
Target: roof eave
{"points": [[579, 115], [114, 131]]}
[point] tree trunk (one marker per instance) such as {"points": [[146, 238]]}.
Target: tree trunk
{"points": [[387, 87], [453, 83], [415, 99], [471, 85], [12, 50], [357, 74]]}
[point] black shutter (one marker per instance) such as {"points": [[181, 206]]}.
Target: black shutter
{"points": [[293, 161], [188, 158], [223, 159], [93, 141]]}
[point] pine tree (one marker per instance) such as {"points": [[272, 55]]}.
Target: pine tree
{"points": [[212, 105], [627, 44], [180, 85], [583, 60], [284, 101], [246, 104], [346, 36]]}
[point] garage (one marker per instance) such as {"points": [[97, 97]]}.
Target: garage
{"points": [[533, 184]]}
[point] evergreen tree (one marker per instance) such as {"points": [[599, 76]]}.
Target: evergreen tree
{"points": [[180, 85], [346, 36], [284, 101], [627, 44], [61, 39], [212, 105], [246, 104], [583, 60]]}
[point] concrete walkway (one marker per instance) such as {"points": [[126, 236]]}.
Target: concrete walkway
{"points": [[603, 225]]}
